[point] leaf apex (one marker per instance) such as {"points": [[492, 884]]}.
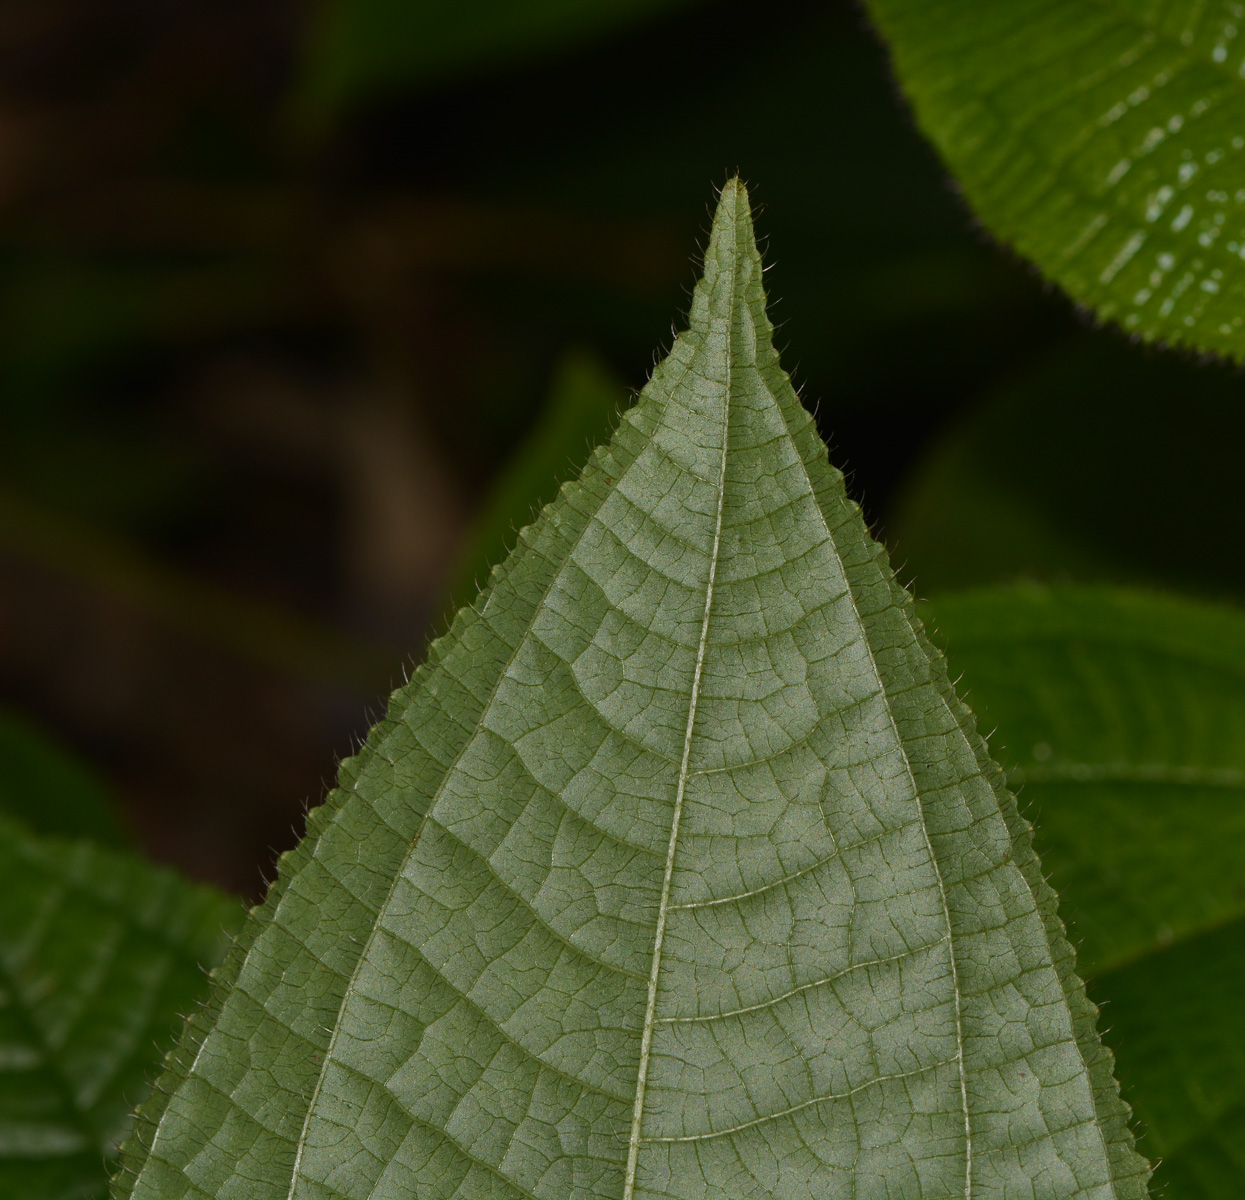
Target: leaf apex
{"points": [[732, 224]]}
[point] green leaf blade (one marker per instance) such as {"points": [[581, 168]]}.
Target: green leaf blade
{"points": [[1175, 1020], [716, 890], [99, 955], [1102, 140], [1122, 714]]}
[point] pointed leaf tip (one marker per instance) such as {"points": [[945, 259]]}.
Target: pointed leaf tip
{"points": [[733, 204], [677, 870], [731, 237]]}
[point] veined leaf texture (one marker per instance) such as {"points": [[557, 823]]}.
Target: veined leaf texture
{"points": [[1105, 139], [99, 954], [677, 871], [1122, 714]]}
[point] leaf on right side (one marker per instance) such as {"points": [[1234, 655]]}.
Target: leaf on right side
{"points": [[1122, 714], [1104, 140]]}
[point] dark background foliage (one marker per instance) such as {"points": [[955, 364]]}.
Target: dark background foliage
{"points": [[285, 287]]}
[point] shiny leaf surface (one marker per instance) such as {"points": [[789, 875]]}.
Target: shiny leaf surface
{"points": [[1104, 140]]}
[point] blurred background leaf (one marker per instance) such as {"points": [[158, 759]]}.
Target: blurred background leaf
{"points": [[264, 379], [100, 955], [1096, 463], [1121, 715], [305, 306], [50, 790]]}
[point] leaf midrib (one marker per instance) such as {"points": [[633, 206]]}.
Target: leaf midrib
{"points": [[663, 907], [520, 640]]}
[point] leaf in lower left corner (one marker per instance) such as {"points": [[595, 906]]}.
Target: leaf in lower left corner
{"points": [[100, 953]]}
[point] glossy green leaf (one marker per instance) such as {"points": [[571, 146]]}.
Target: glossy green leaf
{"points": [[716, 892], [360, 47], [1122, 714], [49, 789], [1104, 140], [100, 953]]}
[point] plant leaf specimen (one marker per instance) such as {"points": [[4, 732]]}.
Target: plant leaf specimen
{"points": [[677, 870]]}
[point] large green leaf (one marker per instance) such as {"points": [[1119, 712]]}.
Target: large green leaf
{"points": [[1124, 716], [1105, 140], [99, 954], [716, 890]]}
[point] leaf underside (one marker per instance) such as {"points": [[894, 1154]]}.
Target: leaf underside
{"points": [[677, 870], [1104, 139]]}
